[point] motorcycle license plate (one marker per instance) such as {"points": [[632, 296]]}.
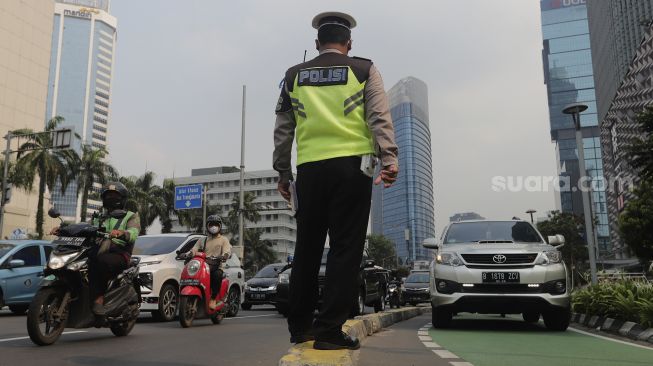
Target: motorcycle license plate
{"points": [[189, 282], [500, 277], [70, 241]]}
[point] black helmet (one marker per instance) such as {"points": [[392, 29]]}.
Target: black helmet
{"points": [[111, 204], [214, 219]]}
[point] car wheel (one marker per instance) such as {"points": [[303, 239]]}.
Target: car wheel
{"points": [[531, 317], [441, 318], [359, 306], [233, 299], [167, 303], [379, 305], [246, 306], [18, 309], [557, 319]]}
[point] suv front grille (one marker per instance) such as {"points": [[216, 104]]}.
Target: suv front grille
{"points": [[510, 258]]}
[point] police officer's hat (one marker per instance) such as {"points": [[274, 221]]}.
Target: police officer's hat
{"points": [[334, 17]]}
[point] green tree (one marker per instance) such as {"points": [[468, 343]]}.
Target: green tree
{"points": [[382, 250], [572, 227], [168, 195], [145, 197], [193, 219], [636, 222], [91, 168], [259, 252], [18, 176], [640, 150], [250, 213], [51, 165]]}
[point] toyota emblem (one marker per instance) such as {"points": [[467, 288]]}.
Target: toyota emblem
{"points": [[499, 258]]}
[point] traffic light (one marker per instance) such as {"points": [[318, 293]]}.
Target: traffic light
{"points": [[7, 195]]}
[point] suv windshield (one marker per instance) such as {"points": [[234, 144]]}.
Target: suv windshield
{"points": [[418, 278], [492, 231], [5, 248], [269, 271], [155, 245]]}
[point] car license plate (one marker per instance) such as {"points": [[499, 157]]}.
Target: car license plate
{"points": [[67, 240], [500, 277], [258, 296]]}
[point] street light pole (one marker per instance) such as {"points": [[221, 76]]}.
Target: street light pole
{"points": [[241, 209], [4, 181], [531, 211], [575, 110]]}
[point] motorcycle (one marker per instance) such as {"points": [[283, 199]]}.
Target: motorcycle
{"points": [[63, 299], [195, 291], [394, 295]]}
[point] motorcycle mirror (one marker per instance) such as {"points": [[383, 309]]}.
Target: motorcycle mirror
{"points": [[54, 213]]}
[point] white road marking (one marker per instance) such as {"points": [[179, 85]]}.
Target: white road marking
{"points": [[443, 353], [21, 338], [425, 338], [609, 339], [422, 333], [431, 345], [251, 316], [454, 363]]}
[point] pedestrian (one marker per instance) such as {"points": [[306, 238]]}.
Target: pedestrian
{"points": [[337, 108]]}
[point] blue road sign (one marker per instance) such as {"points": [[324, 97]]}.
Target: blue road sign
{"points": [[187, 197]]}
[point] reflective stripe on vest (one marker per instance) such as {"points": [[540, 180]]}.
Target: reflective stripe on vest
{"points": [[330, 120], [112, 222]]}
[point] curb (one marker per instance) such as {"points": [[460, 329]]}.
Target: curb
{"points": [[361, 327], [634, 331]]}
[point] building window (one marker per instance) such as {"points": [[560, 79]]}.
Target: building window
{"points": [[99, 137], [99, 128], [102, 103], [98, 110]]}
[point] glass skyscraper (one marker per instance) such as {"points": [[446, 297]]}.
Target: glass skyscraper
{"points": [[569, 78], [404, 213], [79, 89]]}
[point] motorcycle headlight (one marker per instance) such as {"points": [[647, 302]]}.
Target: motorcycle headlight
{"points": [[549, 257], [449, 259], [58, 261], [76, 266], [284, 278], [193, 267]]}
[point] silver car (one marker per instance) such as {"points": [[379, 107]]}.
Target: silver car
{"points": [[499, 267]]}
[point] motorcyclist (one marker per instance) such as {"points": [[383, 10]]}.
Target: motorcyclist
{"points": [[113, 254], [215, 245]]}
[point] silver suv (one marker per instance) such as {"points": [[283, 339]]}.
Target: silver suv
{"points": [[499, 267]]}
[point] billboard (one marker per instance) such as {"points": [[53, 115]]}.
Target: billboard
{"points": [[557, 4]]}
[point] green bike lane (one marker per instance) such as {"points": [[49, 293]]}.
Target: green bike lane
{"points": [[485, 340]]}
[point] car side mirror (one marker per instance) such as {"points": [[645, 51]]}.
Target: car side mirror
{"points": [[15, 263], [368, 264], [431, 243], [556, 240]]}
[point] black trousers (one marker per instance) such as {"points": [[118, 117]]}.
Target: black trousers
{"points": [[102, 268], [334, 196], [216, 280]]}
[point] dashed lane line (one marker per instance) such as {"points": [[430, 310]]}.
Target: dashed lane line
{"points": [[443, 353], [21, 338], [427, 341], [251, 316]]}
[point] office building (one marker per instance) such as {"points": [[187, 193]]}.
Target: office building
{"points": [[79, 90], [25, 38], [223, 185], [404, 213], [568, 75]]}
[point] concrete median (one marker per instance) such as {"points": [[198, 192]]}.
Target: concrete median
{"points": [[361, 327]]}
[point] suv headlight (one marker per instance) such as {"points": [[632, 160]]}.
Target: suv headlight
{"points": [[449, 259], [549, 257], [193, 267], [58, 261], [284, 278]]}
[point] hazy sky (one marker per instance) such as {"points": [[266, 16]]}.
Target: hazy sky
{"points": [[180, 67]]}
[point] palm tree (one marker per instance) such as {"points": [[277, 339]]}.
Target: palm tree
{"points": [[193, 218], [51, 165], [145, 197], [18, 176], [91, 168], [259, 252], [250, 212], [168, 195]]}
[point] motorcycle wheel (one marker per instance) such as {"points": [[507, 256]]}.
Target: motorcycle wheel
{"points": [[187, 310], [122, 329], [217, 317], [43, 326]]}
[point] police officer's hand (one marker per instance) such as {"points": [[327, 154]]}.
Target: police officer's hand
{"points": [[387, 175], [117, 233], [284, 189]]}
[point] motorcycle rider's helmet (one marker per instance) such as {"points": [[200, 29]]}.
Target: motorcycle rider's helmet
{"points": [[114, 196], [214, 220]]}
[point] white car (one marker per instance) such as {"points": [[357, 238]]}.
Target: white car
{"points": [[160, 273]]}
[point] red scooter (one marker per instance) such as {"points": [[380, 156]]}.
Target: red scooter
{"points": [[195, 291]]}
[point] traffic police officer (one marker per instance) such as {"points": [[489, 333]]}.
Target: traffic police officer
{"points": [[337, 109]]}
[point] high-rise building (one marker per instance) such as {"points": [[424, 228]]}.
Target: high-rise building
{"points": [[568, 75], [618, 129], [25, 38], [465, 216], [223, 185], [79, 90], [404, 213], [616, 28]]}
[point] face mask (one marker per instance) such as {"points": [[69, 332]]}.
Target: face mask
{"points": [[214, 229], [111, 203]]}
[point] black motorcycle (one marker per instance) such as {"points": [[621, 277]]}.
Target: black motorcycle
{"points": [[63, 300], [394, 294]]}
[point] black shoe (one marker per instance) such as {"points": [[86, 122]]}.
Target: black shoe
{"points": [[343, 341], [297, 339], [98, 309]]}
